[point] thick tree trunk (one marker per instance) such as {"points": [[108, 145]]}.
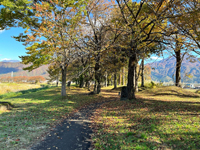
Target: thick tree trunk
{"points": [[64, 73], [142, 73], [115, 80], [131, 75], [178, 68], [81, 81], [123, 76]]}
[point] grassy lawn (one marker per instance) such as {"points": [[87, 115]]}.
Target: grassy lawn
{"points": [[36, 112], [161, 118], [14, 87]]}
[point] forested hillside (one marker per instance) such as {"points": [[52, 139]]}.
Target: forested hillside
{"points": [[164, 70], [17, 68]]}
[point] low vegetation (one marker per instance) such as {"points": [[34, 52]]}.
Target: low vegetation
{"points": [[35, 112], [161, 118], [14, 87]]}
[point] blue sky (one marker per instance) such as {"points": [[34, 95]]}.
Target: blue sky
{"points": [[9, 47]]}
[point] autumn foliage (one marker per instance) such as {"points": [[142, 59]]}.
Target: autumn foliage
{"points": [[23, 79]]}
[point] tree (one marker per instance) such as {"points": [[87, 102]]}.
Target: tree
{"points": [[186, 40], [142, 24], [52, 41], [97, 37], [54, 73]]}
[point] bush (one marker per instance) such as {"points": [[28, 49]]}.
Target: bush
{"points": [[198, 92], [152, 84]]}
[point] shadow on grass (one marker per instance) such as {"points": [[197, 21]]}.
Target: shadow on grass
{"points": [[36, 109], [14, 94], [154, 124]]}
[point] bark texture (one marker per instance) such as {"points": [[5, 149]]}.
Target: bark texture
{"points": [[131, 75]]}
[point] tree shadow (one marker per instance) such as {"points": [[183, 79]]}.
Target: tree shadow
{"points": [[136, 118], [176, 93]]}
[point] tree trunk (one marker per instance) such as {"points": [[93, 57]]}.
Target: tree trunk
{"points": [[136, 78], [178, 68], [142, 73], [123, 76], [120, 76], [106, 82], [81, 81], [111, 81], [64, 73], [131, 75], [95, 86], [57, 81], [115, 80], [88, 85], [98, 73]]}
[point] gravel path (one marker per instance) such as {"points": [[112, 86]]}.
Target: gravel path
{"points": [[72, 134]]}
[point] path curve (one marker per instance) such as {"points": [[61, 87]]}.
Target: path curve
{"points": [[73, 133]]}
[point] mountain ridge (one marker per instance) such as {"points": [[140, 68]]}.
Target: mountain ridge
{"points": [[164, 70], [17, 68]]}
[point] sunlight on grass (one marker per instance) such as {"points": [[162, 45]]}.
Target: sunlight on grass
{"points": [[14, 87], [35, 112], [167, 121]]}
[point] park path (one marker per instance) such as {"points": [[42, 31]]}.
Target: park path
{"points": [[73, 133]]}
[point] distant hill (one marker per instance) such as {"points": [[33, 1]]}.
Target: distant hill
{"points": [[10, 61], [165, 69], [17, 68]]}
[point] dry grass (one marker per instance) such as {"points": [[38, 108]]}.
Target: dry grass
{"points": [[14, 87]]}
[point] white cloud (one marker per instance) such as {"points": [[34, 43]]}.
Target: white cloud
{"points": [[154, 57], [1, 31], [5, 59]]}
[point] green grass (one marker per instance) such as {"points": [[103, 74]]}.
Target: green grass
{"points": [[36, 111], [161, 118]]}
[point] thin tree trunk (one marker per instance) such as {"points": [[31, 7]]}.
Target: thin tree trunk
{"points": [[64, 73], [106, 82], [131, 75], [142, 73], [136, 80], [111, 81], [115, 80], [88, 85], [120, 76], [178, 68], [57, 81], [95, 86], [123, 76]]}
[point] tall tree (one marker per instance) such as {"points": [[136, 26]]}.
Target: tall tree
{"points": [[52, 41], [97, 23], [141, 23]]}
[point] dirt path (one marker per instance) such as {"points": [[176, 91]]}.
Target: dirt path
{"points": [[72, 134]]}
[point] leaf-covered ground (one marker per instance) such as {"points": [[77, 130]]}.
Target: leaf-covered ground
{"points": [[161, 118]]}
